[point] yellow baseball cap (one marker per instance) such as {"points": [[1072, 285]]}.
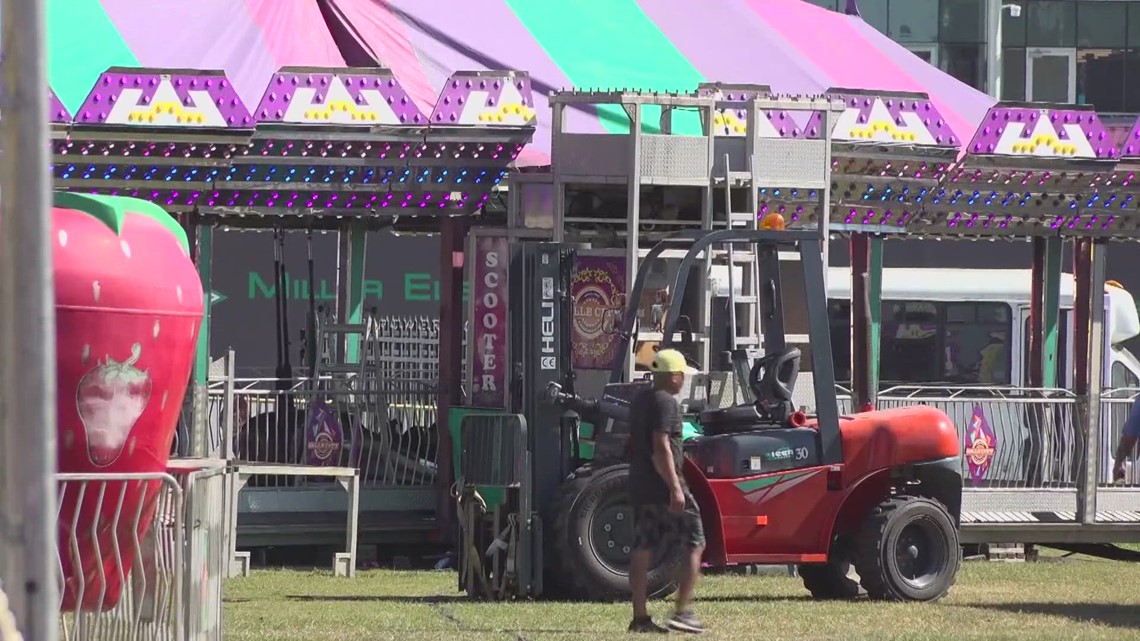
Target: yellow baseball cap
{"points": [[670, 360]]}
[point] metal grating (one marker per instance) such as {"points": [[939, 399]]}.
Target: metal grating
{"points": [[666, 158], [494, 450], [782, 162]]}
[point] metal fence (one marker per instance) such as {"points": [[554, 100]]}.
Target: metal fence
{"points": [[380, 418], [206, 535], [142, 556], [387, 429], [1116, 404], [120, 557], [1010, 437]]}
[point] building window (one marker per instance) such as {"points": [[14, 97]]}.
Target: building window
{"points": [[1132, 81], [1013, 29], [1051, 23], [1013, 74], [962, 22], [1100, 78], [1134, 24], [967, 63], [826, 4], [913, 21], [874, 13], [1101, 25]]}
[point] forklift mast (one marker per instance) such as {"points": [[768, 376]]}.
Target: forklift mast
{"points": [[540, 355]]}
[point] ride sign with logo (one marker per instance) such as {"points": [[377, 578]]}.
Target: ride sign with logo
{"points": [[980, 445], [597, 292]]}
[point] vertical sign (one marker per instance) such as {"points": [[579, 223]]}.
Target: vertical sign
{"points": [[489, 322], [597, 291], [980, 445]]}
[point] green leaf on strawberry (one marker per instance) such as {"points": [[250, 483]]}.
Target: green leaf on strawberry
{"points": [[112, 210]]}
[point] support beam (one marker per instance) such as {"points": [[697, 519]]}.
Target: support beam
{"points": [[1036, 301], [203, 255], [453, 233], [874, 306], [1051, 313], [350, 283], [1044, 313], [863, 371], [1088, 350], [633, 222], [28, 502]]}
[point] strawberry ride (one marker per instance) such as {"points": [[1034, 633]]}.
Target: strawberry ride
{"points": [[128, 308]]}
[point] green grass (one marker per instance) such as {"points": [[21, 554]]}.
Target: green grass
{"points": [[1055, 599]]}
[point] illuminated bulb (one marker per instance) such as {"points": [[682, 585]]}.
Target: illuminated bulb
{"points": [[772, 221]]}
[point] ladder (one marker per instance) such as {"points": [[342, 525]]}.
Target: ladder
{"points": [[745, 332]]}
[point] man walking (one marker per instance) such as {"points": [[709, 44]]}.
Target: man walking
{"points": [[665, 513]]}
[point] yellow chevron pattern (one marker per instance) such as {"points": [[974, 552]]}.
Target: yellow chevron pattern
{"points": [[873, 128], [1053, 142], [508, 109], [347, 106], [172, 108]]}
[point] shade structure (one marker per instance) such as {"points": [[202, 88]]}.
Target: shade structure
{"points": [[663, 45]]}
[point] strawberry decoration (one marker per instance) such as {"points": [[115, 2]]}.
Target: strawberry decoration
{"points": [[111, 398], [129, 306]]}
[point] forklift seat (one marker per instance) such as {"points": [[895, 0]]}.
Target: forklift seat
{"points": [[772, 380], [773, 376]]}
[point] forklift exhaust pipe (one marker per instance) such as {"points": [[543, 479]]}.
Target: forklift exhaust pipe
{"points": [[797, 419]]}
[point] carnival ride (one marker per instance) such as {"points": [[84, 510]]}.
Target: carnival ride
{"points": [[1048, 173], [307, 157]]}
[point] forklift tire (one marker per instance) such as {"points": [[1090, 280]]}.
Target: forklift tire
{"points": [[586, 567], [908, 550], [830, 581]]}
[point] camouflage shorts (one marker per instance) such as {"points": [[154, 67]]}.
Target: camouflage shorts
{"points": [[655, 526]]}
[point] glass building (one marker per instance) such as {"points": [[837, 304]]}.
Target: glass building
{"points": [[1079, 51]]}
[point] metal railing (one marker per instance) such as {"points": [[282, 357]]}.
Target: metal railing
{"points": [[387, 430], [1010, 437], [142, 556], [120, 557], [207, 536], [1116, 404]]}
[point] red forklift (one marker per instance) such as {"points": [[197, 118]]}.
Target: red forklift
{"points": [[862, 504]]}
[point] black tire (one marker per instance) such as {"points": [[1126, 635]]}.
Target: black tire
{"points": [[585, 560], [908, 550], [830, 581]]}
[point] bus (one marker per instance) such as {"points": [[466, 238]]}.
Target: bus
{"points": [[971, 327]]}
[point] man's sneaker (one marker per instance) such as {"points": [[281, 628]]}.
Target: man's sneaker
{"points": [[646, 624], [685, 622]]}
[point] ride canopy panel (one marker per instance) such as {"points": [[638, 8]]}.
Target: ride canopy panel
{"points": [[636, 44]]}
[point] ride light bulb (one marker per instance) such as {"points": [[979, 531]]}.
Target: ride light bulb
{"points": [[772, 221]]}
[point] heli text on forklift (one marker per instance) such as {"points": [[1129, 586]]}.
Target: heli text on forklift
{"points": [[879, 492]]}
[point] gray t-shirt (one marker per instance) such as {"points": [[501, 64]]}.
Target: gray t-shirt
{"points": [[652, 411]]}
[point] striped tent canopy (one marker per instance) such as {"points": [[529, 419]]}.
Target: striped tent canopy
{"points": [[661, 45]]}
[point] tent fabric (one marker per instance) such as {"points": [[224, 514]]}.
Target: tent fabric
{"points": [[791, 45]]}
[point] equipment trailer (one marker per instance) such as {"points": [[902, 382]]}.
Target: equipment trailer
{"points": [[880, 491]]}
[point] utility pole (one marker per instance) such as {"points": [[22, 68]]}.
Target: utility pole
{"points": [[28, 556]]}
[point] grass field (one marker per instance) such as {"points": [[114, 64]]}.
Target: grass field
{"points": [[1073, 598]]}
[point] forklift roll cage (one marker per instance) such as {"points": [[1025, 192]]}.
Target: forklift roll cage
{"points": [[767, 242]]}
